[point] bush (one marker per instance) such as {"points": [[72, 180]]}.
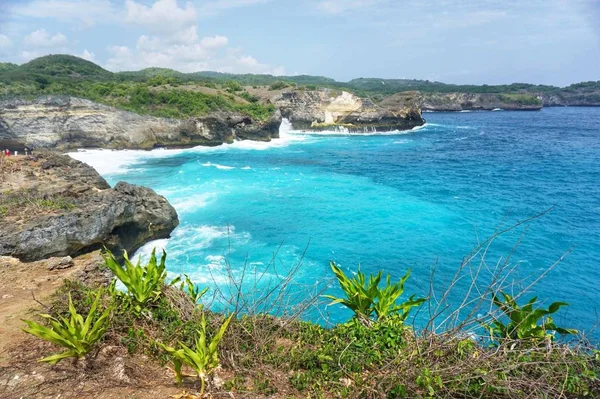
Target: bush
{"points": [[526, 323], [144, 283], [204, 358], [76, 334], [366, 298], [278, 85]]}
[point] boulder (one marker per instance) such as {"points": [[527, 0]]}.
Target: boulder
{"points": [[56, 206]]}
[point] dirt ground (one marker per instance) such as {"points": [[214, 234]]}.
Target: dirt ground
{"points": [[24, 288]]}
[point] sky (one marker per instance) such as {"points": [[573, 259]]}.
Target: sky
{"points": [[454, 41]]}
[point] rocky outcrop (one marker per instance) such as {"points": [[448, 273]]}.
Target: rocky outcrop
{"points": [[64, 122], [52, 205], [327, 109], [479, 102]]}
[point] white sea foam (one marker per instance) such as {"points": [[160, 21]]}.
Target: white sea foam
{"points": [[112, 162], [246, 168], [204, 236], [146, 250], [190, 203], [216, 165], [497, 109]]}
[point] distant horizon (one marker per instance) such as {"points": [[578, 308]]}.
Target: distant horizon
{"points": [[290, 76], [494, 42]]}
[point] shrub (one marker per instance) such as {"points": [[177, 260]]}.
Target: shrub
{"points": [[278, 85], [204, 359], [144, 283], [526, 323], [366, 298], [76, 334], [188, 286]]}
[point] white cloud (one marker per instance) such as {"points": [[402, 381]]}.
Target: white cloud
{"points": [[67, 10], [41, 39], [5, 42], [208, 53], [162, 16], [214, 41], [211, 8], [87, 55], [173, 41]]}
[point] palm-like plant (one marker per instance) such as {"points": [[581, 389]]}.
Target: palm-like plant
{"points": [[187, 285], [526, 323], [360, 293], [364, 296], [204, 359], [144, 283], [387, 299], [76, 334]]}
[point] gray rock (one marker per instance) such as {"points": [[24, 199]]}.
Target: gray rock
{"points": [[65, 122], [59, 263], [122, 218], [327, 108]]}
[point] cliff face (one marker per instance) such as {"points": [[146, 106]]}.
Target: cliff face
{"points": [[478, 102], [52, 205], [68, 122], [327, 108]]}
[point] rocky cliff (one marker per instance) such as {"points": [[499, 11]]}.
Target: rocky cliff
{"points": [[64, 122], [327, 108], [52, 205], [478, 102]]}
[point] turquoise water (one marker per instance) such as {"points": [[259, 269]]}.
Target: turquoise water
{"points": [[419, 199]]}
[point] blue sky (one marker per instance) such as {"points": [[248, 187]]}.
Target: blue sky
{"points": [[455, 41]]}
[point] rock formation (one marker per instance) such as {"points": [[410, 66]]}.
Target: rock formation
{"points": [[327, 108], [478, 102], [64, 122], [52, 205]]}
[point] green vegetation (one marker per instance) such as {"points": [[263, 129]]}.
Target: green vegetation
{"points": [[65, 66], [31, 201], [153, 91], [169, 93], [204, 359], [526, 323], [366, 298], [194, 291], [7, 66], [278, 85], [521, 99], [76, 334], [144, 283], [263, 354]]}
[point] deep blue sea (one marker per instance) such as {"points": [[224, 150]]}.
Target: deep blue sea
{"points": [[419, 199]]}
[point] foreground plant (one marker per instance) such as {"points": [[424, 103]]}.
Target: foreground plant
{"points": [[188, 286], [526, 323], [76, 334], [204, 359], [365, 297], [144, 283]]}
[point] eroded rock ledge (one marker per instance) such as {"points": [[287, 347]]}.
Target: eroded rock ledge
{"points": [[65, 122], [327, 108], [52, 205]]}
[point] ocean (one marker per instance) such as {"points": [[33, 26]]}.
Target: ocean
{"points": [[420, 200]]}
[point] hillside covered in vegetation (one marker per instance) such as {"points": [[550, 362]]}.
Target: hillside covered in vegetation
{"points": [[166, 92]]}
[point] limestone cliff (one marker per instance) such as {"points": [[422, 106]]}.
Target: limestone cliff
{"points": [[478, 102], [52, 205], [64, 122], [327, 108]]}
